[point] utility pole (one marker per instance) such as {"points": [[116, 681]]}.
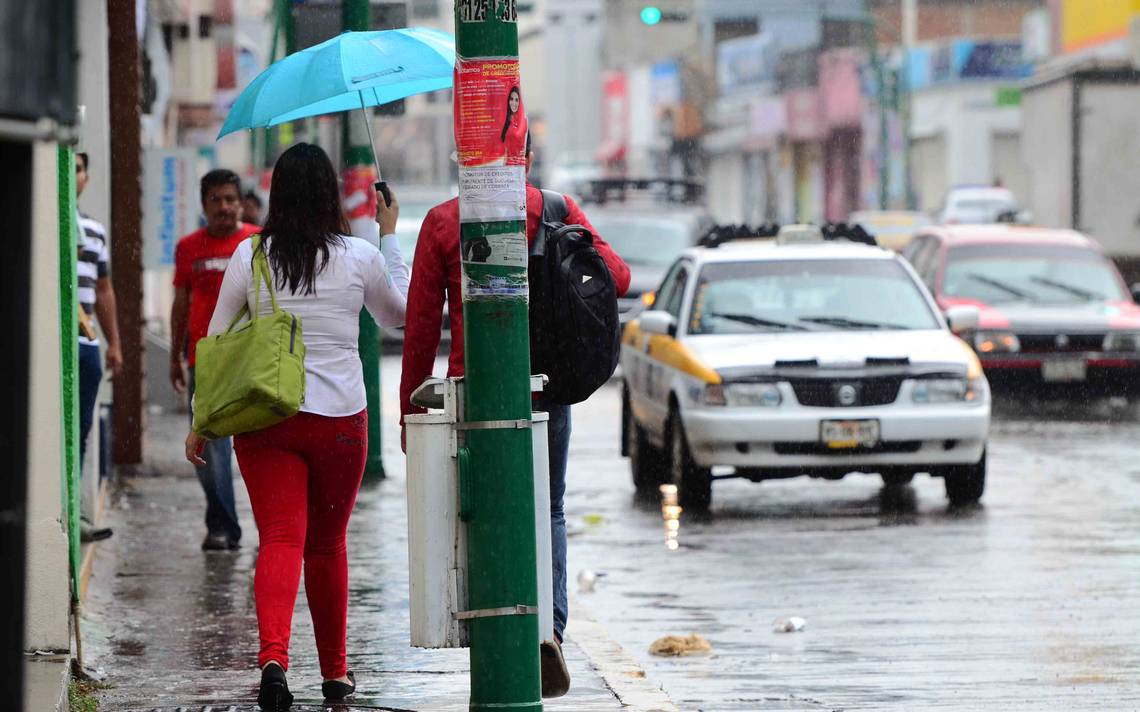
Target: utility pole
{"points": [[909, 37], [883, 156], [359, 176], [495, 462], [126, 218]]}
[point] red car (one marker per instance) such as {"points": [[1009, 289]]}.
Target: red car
{"points": [[1055, 316]]}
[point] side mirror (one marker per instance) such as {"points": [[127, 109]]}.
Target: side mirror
{"points": [[656, 321], [1135, 289], [963, 318]]}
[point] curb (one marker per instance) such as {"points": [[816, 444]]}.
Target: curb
{"points": [[88, 557], [621, 673]]}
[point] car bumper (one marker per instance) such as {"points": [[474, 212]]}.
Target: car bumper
{"points": [[1105, 374], [788, 436]]}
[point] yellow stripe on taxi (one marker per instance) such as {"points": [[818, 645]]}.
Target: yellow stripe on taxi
{"points": [[669, 352]]}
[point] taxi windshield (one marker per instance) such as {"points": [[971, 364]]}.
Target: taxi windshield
{"points": [[807, 295], [1030, 273]]}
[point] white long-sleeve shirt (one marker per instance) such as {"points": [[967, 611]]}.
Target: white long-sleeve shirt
{"points": [[356, 275]]}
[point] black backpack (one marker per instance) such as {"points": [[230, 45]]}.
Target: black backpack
{"points": [[575, 335]]}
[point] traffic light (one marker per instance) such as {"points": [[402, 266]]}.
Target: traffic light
{"points": [[652, 15]]}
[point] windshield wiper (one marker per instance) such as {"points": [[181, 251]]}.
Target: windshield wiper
{"points": [[1075, 291], [850, 323], [997, 284], [756, 321]]}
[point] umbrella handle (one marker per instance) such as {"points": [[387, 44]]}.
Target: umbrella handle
{"points": [[382, 188]]}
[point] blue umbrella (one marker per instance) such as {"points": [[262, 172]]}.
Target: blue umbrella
{"points": [[354, 70]]}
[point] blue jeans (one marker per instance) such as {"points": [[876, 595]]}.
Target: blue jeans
{"points": [[217, 479], [90, 376], [558, 442]]}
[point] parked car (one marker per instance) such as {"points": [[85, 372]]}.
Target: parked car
{"points": [[415, 202], [648, 228], [1055, 315], [779, 360], [972, 205], [893, 229]]}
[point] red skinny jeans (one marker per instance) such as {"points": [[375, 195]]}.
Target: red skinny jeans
{"points": [[303, 475]]}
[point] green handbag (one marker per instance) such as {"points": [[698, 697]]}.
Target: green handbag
{"points": [[252, 376]]}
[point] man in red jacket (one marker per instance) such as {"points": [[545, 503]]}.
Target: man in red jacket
{"points": [[436, 277]]}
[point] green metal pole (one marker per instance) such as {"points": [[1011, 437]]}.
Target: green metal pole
{"points": [[496, 464], [357, 154], [69, 354]]}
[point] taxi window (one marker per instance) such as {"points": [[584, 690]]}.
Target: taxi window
{"points": [[806, 296], [676, 291]]}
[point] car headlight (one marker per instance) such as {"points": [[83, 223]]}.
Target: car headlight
{"points": [[950, 390], [743, 395], [1122, 341], [996, 342], [713, 395]]}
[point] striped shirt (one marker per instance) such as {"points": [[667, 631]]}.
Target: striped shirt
{"points": [[92, 264]]}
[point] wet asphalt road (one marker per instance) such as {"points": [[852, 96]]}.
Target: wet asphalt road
{"points": [[1027, 602]]}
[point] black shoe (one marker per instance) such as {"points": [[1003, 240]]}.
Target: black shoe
{"points": [[219, 542], [555, 676], [88, 533], [274, 695], [335, 690]]}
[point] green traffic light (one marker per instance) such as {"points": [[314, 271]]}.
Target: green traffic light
{"points": [[650, 14]]}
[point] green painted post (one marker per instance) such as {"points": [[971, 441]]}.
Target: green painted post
{"points": [[498, 475], [69, 354], [357, 154]]}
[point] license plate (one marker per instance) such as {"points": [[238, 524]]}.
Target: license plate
{"points": [[1065, 371], [847, 434]]}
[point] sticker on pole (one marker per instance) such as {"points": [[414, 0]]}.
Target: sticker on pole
{"points": [[506, 11], [506, 250], [493, 258], [473, 10]]}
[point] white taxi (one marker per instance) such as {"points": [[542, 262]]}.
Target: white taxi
{"points": [[779, 359]]}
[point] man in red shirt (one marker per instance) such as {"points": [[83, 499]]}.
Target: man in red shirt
{"points": [[200, 261], [436, 277]]}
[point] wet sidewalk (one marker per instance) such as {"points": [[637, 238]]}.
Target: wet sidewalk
{"points": [[173, 627]]}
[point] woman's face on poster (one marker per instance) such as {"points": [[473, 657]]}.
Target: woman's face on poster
{"points": [[514, 102]]}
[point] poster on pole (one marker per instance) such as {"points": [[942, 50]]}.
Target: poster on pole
{"points": [[170, 202], [490, 133], [360, 202]]}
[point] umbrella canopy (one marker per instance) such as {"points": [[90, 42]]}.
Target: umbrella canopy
{"points": [[350, 71]]}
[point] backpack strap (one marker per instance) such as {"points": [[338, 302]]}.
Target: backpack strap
{"points": [[554, 212]]}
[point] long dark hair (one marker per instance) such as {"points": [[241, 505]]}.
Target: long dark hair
{"points": [[510, 114], [305, 217]]}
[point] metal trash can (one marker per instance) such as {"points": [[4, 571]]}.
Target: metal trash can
{"points": [[437, 538]]}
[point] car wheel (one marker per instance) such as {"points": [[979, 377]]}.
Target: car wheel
{"points": [[897, 479], [646, 463], [694, 484], [966, 484]]}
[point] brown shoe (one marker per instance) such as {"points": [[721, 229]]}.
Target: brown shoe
{"points": [[555, 676]]}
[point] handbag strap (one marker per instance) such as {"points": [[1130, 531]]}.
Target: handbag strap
{"points": [[260, 265]]}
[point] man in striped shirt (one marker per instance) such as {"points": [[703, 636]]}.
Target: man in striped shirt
{"points": [[96, 296]]}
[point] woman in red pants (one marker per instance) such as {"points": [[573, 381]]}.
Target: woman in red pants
{"points": [[303, 474]]}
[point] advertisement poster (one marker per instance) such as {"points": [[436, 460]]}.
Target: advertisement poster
{"points": [[491, 129], [360, 202], [489, 114]]}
